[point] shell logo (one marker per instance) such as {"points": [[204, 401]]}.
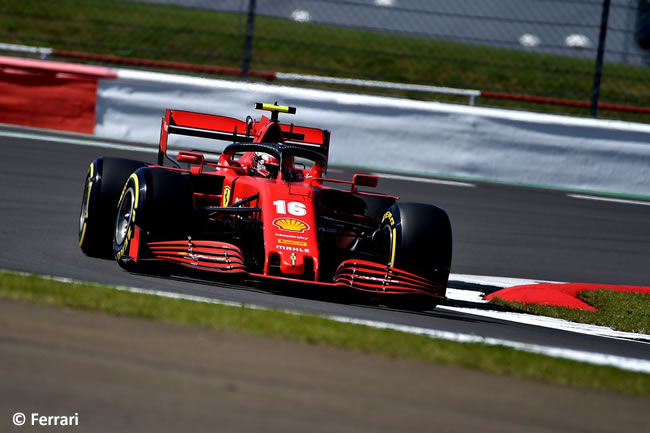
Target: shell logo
{"points": [[291, 225]]}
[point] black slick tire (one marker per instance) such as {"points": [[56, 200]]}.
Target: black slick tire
{"points": [[104, 181], [419, 240], [155, 204]]}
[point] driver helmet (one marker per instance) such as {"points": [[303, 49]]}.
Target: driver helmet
{"points": [[265, 165]]}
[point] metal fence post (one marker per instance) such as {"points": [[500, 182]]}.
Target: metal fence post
{"points": [[248, 43], [598, 73]]}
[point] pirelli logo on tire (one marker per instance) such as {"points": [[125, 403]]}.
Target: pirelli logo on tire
{"points": [[393, 235], [388, 216], [126, 214], [125, 246], [86, 204]]}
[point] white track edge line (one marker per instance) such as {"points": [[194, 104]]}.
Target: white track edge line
{"points": [[553, 323], [424, 180], [502, 282], [608, 199], [624, 363], [78, 141]]}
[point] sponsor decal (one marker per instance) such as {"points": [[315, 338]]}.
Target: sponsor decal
{"points": [[293, 259], [296, 249], [291, 225], [387, 280], [197, 257], [292, 242], [225, 200], [285, 235]]}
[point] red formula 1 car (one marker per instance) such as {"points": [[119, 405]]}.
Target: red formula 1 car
{"points": [[263, 210]]}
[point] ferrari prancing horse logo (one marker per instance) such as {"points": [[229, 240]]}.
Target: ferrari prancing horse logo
{"points": [[226, 197]]}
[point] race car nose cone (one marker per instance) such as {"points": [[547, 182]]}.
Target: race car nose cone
{"points": [[292, 262]]}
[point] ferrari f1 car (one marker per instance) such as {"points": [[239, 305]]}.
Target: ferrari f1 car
{"points": [[264, 209]]}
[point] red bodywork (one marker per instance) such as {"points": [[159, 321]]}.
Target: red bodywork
{"points": [[285, 206]]}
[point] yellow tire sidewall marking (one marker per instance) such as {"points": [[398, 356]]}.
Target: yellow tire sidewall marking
{"points": [[136, 201], [389, 216], [87, 200]]}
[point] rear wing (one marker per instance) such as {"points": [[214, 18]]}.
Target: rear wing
{"points": [[229, 129]]}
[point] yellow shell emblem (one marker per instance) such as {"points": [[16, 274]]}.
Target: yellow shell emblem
{"points": [[291, 225]]}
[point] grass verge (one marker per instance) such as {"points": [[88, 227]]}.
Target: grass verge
{"points": [[318, 330], [157, 31], [629, 312]]}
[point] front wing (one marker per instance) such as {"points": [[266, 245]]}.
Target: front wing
{"points": [[225, 258]]}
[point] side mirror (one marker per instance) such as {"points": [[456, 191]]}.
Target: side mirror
{"points": [[365, 180], [190, 157], [194, 158]]}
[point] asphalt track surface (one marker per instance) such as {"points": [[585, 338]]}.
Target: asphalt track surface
{"points": [[498, 230]]}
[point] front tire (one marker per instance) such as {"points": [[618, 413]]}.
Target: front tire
{"points": [[155, 204], [104, 181], [417, 238]]}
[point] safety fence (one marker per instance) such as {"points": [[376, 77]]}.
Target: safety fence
{"points": [[518, 53]]}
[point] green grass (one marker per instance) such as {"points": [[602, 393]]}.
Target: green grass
{"points": [[628, 312], [317, 330], [206, 37]]}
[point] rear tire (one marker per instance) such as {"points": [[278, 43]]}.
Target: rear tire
{"points": [[155, 204], [104, 181], [419, 241]]}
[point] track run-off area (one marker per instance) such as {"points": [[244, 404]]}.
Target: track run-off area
{"points": [[499, 230]]}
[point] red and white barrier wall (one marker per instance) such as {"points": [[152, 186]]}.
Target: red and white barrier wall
{"points": [[370, 131], [50, 94]]}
